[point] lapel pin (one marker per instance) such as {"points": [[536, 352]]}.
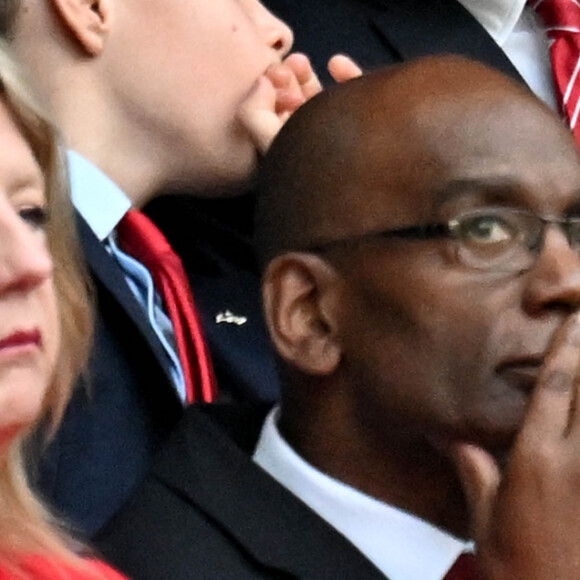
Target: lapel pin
{"points": [[228, 317]]}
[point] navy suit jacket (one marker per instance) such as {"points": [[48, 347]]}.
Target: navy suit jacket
{"points": [[126, 405], [220, 262], [207, 511], [380, 32]]}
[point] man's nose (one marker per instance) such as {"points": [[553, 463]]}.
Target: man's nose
{"points": [[554, 281], [24, 258], [278, 34]]}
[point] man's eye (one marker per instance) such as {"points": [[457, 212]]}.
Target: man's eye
{"points": [[36, 216], [487, 229]]}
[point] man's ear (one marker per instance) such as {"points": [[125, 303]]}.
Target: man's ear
{"points": [[299, 291], [88, 21]]}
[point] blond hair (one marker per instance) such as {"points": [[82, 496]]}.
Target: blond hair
{"points": [[26, 527]]}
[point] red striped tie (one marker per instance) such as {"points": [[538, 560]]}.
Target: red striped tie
{"points": [[141, 238], [562, 21], [465, 568]]}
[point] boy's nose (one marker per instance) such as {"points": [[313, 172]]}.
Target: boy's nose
{"points": [[279, 35]]}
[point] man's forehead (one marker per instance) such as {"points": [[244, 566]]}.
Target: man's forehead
{"points": [[437, 159], [537, 168]]}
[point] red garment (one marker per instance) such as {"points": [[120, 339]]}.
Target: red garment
{"points": [[42, 568]]}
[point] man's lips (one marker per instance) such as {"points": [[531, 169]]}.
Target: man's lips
{"points": [[21, 339], [523, 371]]}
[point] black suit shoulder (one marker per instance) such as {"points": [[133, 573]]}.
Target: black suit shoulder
{"points": [[207, 511]]}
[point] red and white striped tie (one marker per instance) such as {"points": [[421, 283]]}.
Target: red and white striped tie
{"points": [[562, 21]]}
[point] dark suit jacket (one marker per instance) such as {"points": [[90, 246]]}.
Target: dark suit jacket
{"points": [[381, 32], [207, 511], [126, 405], [224, 275]]}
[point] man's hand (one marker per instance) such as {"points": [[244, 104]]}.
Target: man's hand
{"points": [[526, 521], [284, 88]]}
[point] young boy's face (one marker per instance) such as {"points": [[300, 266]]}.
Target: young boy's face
{"points": [[182, 68]]}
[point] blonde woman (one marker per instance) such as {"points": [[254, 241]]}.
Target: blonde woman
{"points": [[44, 329]]}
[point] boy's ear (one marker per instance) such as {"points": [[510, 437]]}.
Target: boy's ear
{"points": [[88, 21], [299, 293]]}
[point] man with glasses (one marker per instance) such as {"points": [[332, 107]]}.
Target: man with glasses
{"points": [[420, 230]]}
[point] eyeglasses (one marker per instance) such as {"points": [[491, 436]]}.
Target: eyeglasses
{"points": [[498, 239]]}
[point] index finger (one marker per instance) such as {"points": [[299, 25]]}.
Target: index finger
{"points": [[307, 79], [553, 398]]}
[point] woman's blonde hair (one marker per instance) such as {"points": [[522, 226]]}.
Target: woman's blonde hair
{"points": [[25, 525]]}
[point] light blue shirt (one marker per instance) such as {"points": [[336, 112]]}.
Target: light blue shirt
{"points": [[399, 544], [103, 204]]}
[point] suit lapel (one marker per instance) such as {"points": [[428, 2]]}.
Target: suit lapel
{"points": [[274, 527], [445, 26], [108, 274]]}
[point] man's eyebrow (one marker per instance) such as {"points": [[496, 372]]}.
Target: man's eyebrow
{"points": [[494, 191], [491, 190]]}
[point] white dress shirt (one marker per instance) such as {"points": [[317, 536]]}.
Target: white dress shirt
{"points": [[103, 204], [518, 31], [399, 544]]}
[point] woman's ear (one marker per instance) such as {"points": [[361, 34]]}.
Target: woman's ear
{"points": [[88, 21], [299, 293]]}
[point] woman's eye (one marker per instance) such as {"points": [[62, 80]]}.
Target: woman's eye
{"points": [[488, 230], [35, 215]]}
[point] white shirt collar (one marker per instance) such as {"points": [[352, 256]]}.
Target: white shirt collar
{"points": [[498, 17], [96, 197], [399, 544]]}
